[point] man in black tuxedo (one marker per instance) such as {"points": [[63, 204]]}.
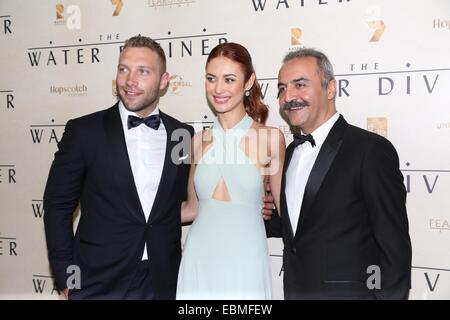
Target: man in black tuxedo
{"points": [[343, 215], [127, 167]]}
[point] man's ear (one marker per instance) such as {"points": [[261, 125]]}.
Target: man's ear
{"points": [[164, 81], [331, 89]]}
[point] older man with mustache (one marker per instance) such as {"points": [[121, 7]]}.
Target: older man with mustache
{"points": [[343, 214]]}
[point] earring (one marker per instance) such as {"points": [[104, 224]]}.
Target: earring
{"points": [[247, 93]]}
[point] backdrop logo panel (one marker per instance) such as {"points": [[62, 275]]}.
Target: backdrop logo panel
{"points": [[37, 207], [169, 3], [114, 88], [413, 82], [385, 83], [6, 23], [76, 90], [422, 180], [70, 17], [296, 43], [374, 21], [7, 99], [378, 125], [191, 45], [200, 125], [261, 5], [43, 284], [118, 7], [296, 34], [59, 8], [417, 81], [63, 55], [8, 246], [46, 133], [269, 86], [431, 280], [8, 174], [439, 23], [178, 85], [439, 224], [443, 125]]}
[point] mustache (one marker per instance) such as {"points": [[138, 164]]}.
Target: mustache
{"points": [[295, 104]]}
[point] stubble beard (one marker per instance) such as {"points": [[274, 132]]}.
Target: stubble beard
{"points": [[140, 106]]}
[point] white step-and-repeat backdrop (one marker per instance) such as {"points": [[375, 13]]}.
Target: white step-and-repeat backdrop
{"points": [[58, 61]]}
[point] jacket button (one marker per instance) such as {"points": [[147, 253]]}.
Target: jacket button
{"points": [[294, 250]]}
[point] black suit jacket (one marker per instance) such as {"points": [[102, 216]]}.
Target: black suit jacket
{"points": [[92, 168], [353, 216]]}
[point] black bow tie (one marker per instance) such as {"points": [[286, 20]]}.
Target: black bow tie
{"points": [[152, 121], [301, 138]]}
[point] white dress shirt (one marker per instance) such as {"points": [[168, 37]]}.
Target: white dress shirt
{"points": [[300, 166], [146, 150]]}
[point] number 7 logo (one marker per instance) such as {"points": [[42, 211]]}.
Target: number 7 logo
{"points": [[119, 5]]}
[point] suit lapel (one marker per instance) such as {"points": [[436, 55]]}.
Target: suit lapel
{"points": [[169, 172], [323, 163], [284, 208], [120, 162]]}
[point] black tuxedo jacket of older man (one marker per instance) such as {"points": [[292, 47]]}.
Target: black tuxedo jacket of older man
{"points": [[352, 221]]}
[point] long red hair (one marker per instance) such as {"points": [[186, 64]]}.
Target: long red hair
{"points": [[254, 106]]}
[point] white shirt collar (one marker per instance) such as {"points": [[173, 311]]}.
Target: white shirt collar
{"points": [[321, 133]]}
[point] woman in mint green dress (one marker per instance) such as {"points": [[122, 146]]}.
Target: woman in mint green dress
{"points": [[225, 255]]}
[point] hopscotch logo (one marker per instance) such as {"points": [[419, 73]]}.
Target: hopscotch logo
{"points": [[424, 180], [118, 7], [177, 84], [260, 5], [41, 284], [49, 133], [378, 125], [169, 3], [78, 90], [6, 22], [8, 246], [73, 19], [38, 208], [441, 24], [7, 173], [374, 21], [7, 98]]}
